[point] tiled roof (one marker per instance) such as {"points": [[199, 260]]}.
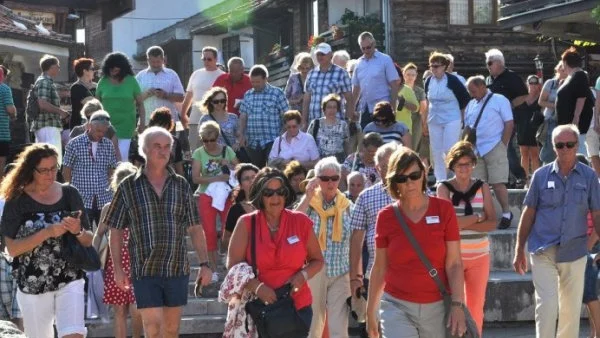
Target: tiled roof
{"points": [[11, 26]]}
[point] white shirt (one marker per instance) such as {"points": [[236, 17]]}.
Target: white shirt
{"points": [[200, 82], [302, 148], [168, 81], [491, 125]]}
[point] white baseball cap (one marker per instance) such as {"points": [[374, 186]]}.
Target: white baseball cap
{"points": [[324, 48]]}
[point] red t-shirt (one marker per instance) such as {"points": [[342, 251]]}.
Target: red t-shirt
{"points": [[282, 257], [406, 277], [234, 90]]}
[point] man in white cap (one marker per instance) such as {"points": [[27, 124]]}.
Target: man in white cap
{"points": [[325, 79]]}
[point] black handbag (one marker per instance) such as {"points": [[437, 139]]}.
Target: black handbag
{"points": [[82, 257], [470, 134], [241, 154], [277, 320], [472, 331]]}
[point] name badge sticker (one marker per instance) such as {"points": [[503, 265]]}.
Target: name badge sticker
{"points": [[432, 219], [550, 184], [293, 240]]}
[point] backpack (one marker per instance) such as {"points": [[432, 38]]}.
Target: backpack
{"points": [[32, 107]]}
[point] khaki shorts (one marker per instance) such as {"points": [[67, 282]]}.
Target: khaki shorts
{"points": [[493, 167], [592, 141]]}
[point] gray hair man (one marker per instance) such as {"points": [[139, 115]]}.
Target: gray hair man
{"points": [[160, 278], [554, 228], [236, 82]]}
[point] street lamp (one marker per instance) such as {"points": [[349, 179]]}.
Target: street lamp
{"points": [[539, 67]]}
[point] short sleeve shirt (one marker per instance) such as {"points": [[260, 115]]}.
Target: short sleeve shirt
{"points": [[508, 83], [302, 148], [6, 100], [330, 138], [47, 91], [200, 82], [235, 90], [264, 110], [574, 87], [405, 115], [393, 133], [166, 80], [550, 87], [374, 76], [228, 127], [119, 101], [210, 165], [320, 84]]}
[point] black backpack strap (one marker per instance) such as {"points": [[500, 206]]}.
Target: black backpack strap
{"points": [[315, 130]]}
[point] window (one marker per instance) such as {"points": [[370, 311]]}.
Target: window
{"points": [[231, 47], [472, 12], [372, 7]]}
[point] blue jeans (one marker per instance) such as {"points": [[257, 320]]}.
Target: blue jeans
{"points": [[547, 153], [589, 285]]}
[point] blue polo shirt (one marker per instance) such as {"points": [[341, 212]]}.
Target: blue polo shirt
{"points": [[562, 205]]}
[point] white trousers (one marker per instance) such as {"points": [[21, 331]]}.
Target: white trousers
{"points": [[124, 144], [329, 296], [441, 138], [51, 135]]}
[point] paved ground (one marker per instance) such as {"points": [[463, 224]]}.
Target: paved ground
{"points": [[522, 330]]}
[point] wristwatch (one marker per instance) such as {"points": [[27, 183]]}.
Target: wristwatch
{"points": [[458, 303]]}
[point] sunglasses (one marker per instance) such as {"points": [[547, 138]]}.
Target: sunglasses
{"points": [[570, 145], [101, 118], [334, 178], [414, 176], [533, 83], [223, 101], [45, 171], [434, 66], [489, 63], [270, 192], [206, 140], [366, 47]]}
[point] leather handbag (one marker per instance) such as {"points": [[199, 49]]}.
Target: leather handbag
{"points": [[277, 320], [470, 134], [81, 257], [471, 331]]}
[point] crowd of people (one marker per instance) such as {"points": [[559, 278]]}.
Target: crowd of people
{"points": [[306, 188]]}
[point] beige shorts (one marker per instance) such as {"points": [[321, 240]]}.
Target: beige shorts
{"points": [[493, 167], [592, 141]]}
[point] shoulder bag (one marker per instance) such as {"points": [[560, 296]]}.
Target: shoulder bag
{"points": [[277, 320], [470, 134], [472, 331], [241, 154]]}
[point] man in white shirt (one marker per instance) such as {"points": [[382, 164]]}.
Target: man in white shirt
{"points": [[161, 86], [493, 134], [200, 82]]}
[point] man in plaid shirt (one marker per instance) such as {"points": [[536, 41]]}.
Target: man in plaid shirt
{"points": [[48, 126], [322, 81], [260, 116]]}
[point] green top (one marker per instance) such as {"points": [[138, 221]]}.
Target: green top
{"points": [[404, 115], [210, 165], [119, 102]]}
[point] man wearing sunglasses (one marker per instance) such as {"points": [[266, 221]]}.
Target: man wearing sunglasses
{"points": [[554, 227], [374, 79]]}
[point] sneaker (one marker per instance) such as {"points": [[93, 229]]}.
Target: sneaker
{"points": [[505, 222], [215, 277]]}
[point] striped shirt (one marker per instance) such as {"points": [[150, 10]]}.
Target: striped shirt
{"points": [[473, 244], [337, 255], [157, 225], [264, 110], [6, 99]]}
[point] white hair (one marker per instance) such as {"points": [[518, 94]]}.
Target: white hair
{"points": [[351, 65], [148, 135], [235, 59], [449, 57], [476, 79], [341, 54], [298, 61], [385, 150], [100, 118], [364, 36], [327, 163], [356, 174], [495, 54], [564, 127]]}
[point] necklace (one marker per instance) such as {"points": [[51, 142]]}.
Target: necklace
{"points": [[273, 228]]}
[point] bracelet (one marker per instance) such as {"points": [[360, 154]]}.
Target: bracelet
{"points": [[304, 274], [258, 287], [458, 303], [80, 233]]}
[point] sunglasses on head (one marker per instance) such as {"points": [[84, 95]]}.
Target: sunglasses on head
{"points": [[207, 140], [414, 176], [570, 145], [279, 192], [334, 178], [222, 101]]}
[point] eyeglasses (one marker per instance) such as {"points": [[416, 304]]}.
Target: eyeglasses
{"points": [[463, 165], [489, 63], [435, 66], [333, 178], [414, 176], [570, 145], [223, 101], [46, 171], [367, 47], [270, 192], [380, 121], [206, 140]]}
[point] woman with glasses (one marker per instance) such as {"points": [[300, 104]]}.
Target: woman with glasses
{"points": [[412, 306], [528, 118], [82, 90], [214, 104], [38, 213], [287, 250], [385, 124], [329, 209], [294, 90], [447, 98], [120, 93], [330, 132], [294, 144], [212, 162], [245, 174], [474, 208]]}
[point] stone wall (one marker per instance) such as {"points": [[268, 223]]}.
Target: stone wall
{"points": [[98, 39]]}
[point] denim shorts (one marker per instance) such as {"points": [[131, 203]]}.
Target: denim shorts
{"points": [[589, 284], [161, 291]]}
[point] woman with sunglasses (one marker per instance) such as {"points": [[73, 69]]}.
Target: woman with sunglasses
{"points": [[245, 174], [385, 124], [287, 250], [474, 207], [212, 162], [412, 306], [293, 144], [37, 213], [528, 118], [214, 104], [294, 90], [330, 132], [329, 209]]}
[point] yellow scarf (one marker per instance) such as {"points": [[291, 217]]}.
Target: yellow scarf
{"points": [[341, 204]]}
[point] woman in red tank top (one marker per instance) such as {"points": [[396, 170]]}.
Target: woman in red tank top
{"points": [[287, 249]]}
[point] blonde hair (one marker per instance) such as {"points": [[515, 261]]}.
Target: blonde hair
{"points": [[209, 128], [123, 170], [91, 107]]}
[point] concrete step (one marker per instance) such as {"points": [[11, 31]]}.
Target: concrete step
{"points": [[195, 326]]}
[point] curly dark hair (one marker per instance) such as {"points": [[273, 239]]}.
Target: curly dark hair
{"points": [[15, 181], [260, 183], [117, 60]]}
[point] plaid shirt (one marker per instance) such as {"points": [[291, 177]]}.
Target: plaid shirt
{"points": [[264, 110], [47, 91], [157, 226], [364, 216], [337, 255], [90, 173], [320, 84]]}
